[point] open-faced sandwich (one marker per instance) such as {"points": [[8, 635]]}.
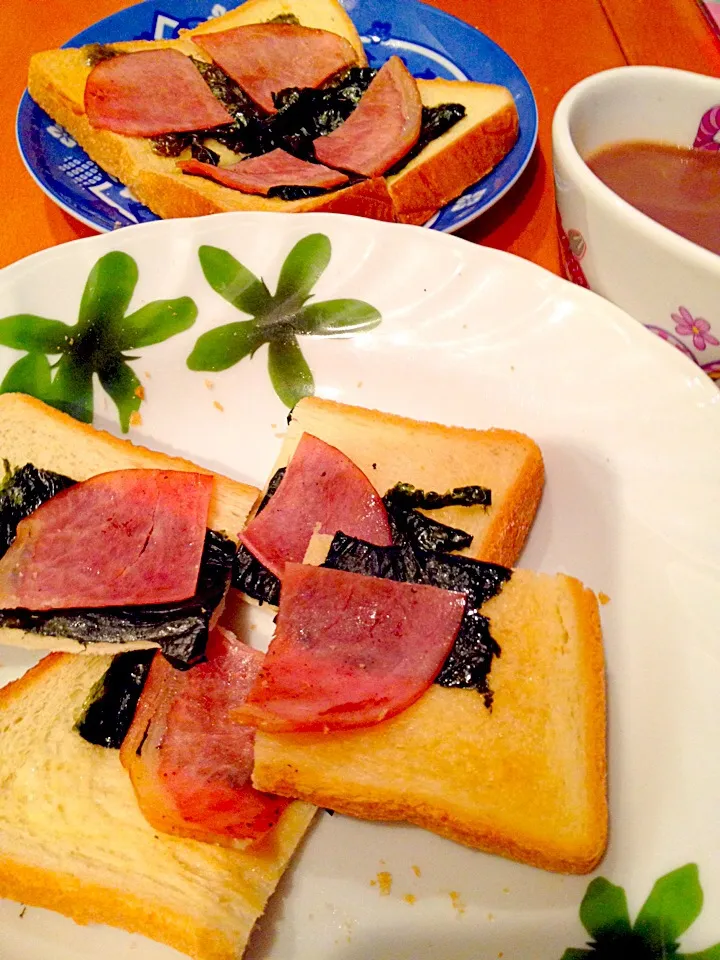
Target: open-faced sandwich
{"points": [[110, 547], [272, 106], [413, 674]]}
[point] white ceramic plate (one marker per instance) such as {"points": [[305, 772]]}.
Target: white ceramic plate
{"points": [[630, 431]]}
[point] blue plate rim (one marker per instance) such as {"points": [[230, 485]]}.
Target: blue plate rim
{"points": [[26, 106]]}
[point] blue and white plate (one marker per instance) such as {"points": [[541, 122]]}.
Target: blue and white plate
{"points": [[431, 42]]}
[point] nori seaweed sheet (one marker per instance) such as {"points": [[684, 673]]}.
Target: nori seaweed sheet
{"points": [[470, 661], [97, 52], [285, 18], [296, 193], [435, 121], [406, 523], [181, 629], [405, 494], [248, 574], [22, 492], [112, 706], [303, 115]]}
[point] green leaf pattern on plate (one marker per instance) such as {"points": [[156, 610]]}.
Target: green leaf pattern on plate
{"points": [[674, 904], [276, 319], [95, 346]]}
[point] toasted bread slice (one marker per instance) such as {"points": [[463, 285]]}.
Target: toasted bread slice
{"points": [[526, 780], [32, 432], [463, 155], [72, 837], [390, 449]]}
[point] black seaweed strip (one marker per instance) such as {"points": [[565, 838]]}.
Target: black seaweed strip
{"points": [[248, 574], [108, 717], [23, 491]]}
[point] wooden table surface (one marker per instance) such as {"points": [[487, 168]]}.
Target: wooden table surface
{"points": [[555, 44]]}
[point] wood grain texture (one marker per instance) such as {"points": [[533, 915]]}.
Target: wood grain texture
{"points": [[675, 33]]}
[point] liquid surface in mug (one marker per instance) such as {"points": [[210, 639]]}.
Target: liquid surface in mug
{"points": [[678, 187]]}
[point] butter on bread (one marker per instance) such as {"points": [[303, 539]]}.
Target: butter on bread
{"points": [[391, 449], [525, 780], [441, 172], [33, 432], [73, 840]]}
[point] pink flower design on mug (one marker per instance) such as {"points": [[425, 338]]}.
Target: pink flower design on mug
{"points": [[696, 327], [708, 134]]}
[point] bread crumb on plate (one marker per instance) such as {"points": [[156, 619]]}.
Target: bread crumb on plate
{"points": [[384, 882]]}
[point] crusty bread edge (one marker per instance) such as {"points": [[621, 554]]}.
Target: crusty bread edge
{"points": [[580, 611], [137, 455], [89, 904], [508, 533], [92, 903], [426, 188]]}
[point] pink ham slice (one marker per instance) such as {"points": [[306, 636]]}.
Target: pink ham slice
{"points": [[264, 58], [129, 537], [350, 651], [322, 489], [259, 174], [148, 93], [381, 129], [189, 761]]}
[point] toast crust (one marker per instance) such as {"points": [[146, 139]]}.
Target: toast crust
{"points": [[33, 432], [385, 447], [424, 186], [65, 883], [527, 781]]}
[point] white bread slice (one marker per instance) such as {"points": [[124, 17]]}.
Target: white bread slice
{"points": [[462, 156], [32, 432], [57, 78], [72, 837], [526, 781], [391, 449]]}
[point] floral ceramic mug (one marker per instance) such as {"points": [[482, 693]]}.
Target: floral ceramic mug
{"points": [[669, 283]]}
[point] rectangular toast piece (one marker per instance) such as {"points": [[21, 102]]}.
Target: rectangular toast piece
{"points": [[73, 840], [460, 157], [391, 449], [32, 432], [446, 167], [525, 780]]}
